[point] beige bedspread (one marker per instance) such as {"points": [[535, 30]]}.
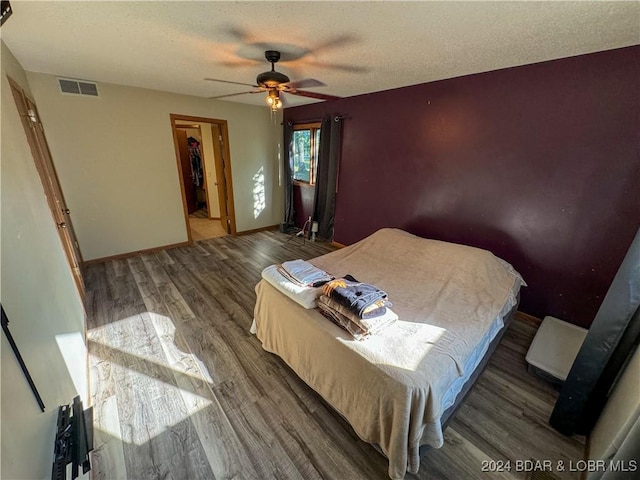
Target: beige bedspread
{"points": [[389, 386]]}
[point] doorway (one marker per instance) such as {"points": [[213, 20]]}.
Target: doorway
{"points": [[202, 155], [49, 178]]}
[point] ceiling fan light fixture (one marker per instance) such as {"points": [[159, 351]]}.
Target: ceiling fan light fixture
{"points": [[273, 100]]}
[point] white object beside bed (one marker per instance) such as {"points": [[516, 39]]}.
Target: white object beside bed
{"points": [[394, 386], [555, 347]]}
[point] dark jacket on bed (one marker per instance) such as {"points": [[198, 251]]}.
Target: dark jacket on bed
{"points": [[355, 295]]}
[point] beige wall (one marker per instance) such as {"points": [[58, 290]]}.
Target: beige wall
{"points": [[116, 162], [619, 414], [38, 293]]}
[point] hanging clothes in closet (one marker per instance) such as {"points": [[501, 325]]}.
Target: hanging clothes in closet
{"points": [[197, 173]]}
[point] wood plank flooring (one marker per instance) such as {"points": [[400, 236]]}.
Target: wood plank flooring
{"points": [[181, 390], [202, 228]]}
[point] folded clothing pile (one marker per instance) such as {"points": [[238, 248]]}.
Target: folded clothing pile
{"points": [[360, 308]]}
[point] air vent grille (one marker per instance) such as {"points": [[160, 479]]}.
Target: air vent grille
{"points": [[77, 87]]}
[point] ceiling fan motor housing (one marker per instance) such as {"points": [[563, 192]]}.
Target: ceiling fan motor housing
{"points": [[272, 79]]}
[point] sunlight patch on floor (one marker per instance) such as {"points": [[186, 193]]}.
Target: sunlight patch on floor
{"points": [[140, 356]]}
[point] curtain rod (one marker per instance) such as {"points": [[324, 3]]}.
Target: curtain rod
{"points": [[336, 118]]}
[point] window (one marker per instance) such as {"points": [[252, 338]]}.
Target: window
{"points": [[306, 143]]}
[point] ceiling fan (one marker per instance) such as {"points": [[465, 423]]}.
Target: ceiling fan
{"points": [[275, 83]]}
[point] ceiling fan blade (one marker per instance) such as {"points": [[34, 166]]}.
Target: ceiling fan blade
{"points": [[304, 83], [234, 94], [233, 83], [319, 96]]}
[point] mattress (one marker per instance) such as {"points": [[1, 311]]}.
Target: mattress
{"points": [[394, 386], [450, 396]]}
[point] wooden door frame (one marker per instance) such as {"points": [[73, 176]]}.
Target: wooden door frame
{"points": [[227, 156], [50, 184]]}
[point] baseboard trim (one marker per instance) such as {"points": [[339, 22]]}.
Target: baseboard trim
{"points": [[339, 245], [261, 229], [530, 319], [134, 254]]}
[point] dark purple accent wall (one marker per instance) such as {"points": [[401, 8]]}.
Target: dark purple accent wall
{"points": [[539, 164]]}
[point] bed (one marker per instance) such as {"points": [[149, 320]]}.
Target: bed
{"points": [[398, 388]]}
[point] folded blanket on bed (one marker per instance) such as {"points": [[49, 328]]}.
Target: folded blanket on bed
{"points": [[356, 296], [305, 274], [358, 327], [305, 296]]}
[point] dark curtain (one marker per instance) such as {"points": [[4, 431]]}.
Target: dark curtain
{"points": [[289, 208], [611, 340], [324, 204]]}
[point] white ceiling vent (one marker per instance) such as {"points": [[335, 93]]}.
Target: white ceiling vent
{"points": [[77, 87]]}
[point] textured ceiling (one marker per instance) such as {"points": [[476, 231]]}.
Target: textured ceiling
{"points": [[351, 47]]}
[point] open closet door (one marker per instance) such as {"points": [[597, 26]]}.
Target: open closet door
{"points": [[222, 177]]}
